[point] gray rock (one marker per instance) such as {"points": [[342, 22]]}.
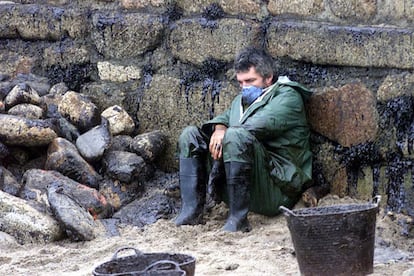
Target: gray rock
{"points": [[147, 210], [49, 104], [120, 143], [26, 224], [119, 194], [4, 151], [21, 93], [79, 225], [8, 183], [68, 130], [149, 145], [16, 130], [358, 10], [220, 42], [90, 199], [93, 143], [28, 111], [119, 120], [34, 188], [63, 156], [396, 85], [299, 7], [7, 242], [348, 45], [123, 166], [79, 110], [59, 89]]}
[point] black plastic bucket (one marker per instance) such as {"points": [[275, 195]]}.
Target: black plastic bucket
{"points": [[140, 264], [334, 240]]}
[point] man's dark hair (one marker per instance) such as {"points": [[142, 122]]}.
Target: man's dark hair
{"points": [[258, 58]]}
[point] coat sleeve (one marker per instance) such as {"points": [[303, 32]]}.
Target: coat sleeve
{"points": [[281, 114], [223, 119]]}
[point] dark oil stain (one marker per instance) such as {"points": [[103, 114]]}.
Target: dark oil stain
{"points": [[172, 13], [209, 74], [397, 113], [213, 12], [210, 15], [73, 75], [355, 158]]}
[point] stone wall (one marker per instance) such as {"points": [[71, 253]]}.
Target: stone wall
{"points": [[169, 64]]}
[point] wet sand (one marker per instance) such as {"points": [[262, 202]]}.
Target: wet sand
{"points": [[266, 250]]}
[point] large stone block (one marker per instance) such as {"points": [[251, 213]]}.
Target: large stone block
{"points": [[323, 43], [228, 6], [396, 85], [237, 7], [128, 35], [354, 9], [106, 94], [111, 71], [299, 7], [395, 10], [64, 54], [38, 22], [7, 27], [193, 42], [138, 4], [166, 107], [347, 115]]}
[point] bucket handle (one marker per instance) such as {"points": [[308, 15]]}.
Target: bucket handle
{"points": [[376, 199], [115, 256], [162, 262], [287, 212]]}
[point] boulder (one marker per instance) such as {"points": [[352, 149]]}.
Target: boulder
{"points": [[28, 111], [78, 223], [79, 110], [16, 130], [123, 166], [93, 143], [8, 183], [149, 145], [21, 93], [119, 120], [63, 156], [26, 224]]}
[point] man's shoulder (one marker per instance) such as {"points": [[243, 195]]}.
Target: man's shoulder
{"points": [[284, 84]]}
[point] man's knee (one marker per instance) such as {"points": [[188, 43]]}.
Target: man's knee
{"points": [[237, 135], [238, 145], [188, 131]]}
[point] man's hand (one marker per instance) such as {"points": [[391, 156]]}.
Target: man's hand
{"points": [[216, 148]]}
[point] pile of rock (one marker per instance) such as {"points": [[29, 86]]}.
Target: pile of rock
{"points": [[65, 165]]}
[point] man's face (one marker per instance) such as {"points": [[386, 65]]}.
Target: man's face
{"points": [[252, 78]]}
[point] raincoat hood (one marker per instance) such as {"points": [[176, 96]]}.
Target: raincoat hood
{"points": [[304, 92]]}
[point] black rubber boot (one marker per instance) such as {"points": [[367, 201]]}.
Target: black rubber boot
{"points": [[216, 182], [238, 181], [193, 191]]}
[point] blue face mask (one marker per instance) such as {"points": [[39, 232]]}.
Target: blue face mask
{"points": [[250, 94]]}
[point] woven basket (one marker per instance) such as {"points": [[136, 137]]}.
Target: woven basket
{"points": [[140, 264], [334, 240]]}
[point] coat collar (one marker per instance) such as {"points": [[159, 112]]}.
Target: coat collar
{"points": [[262, 100]]}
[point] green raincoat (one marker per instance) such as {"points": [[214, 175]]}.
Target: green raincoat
{"points": [[283, 160]]}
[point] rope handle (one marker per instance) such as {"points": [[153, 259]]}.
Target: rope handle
{"points": [[115, 256], [376, 199], [163, 262], [286, 211]]}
